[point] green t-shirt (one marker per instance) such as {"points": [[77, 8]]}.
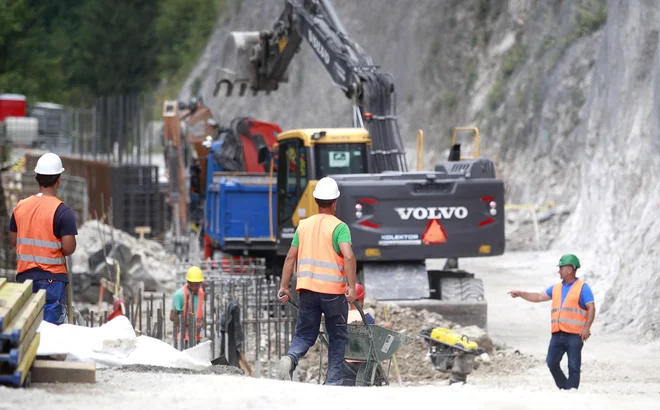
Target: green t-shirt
{"points": [[341, 234], [179, 299]]}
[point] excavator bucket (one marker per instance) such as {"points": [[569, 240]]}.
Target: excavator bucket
{"points": [[237, 66]]}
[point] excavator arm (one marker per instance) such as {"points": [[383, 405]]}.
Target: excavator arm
{"points": [[260, 61]]}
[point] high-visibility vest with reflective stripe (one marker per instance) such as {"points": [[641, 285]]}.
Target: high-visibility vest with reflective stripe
{"points": [[36, 244], [569, 317], [188, 306], [320, 269]]}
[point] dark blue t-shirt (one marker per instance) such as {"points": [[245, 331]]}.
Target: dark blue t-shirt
{"points": [[64, 223]]}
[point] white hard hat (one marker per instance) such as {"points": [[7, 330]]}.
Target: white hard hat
{"points": [[49, 164], [326, 189]]}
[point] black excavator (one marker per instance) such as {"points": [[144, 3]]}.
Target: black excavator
{"points": [[398, 218]]}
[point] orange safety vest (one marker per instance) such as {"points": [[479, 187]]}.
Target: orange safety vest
{"points": [[199, 314], [569, 317], [320, 269], [36, 244]]}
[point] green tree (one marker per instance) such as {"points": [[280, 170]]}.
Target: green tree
{"points": [[183, 29], [26, 66], [115, 50]]}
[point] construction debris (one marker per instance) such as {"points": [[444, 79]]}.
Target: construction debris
{"points": [[142, 260], [414, 363], [142, 368]]}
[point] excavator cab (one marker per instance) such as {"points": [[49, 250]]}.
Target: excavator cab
{"points": [[305, 156]]}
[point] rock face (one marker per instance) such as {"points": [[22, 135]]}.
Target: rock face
{"points": [[563, 92], [618, 202]]}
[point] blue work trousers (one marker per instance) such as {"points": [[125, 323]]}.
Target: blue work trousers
{"points": [[571, 344], [335, 309], [55, 309]]}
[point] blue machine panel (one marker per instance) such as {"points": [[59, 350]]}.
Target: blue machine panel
{"points": [[237, 208]]}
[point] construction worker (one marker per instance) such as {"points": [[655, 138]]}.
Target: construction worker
{"points": [[43, 229], [351, 367], [354, 314], [190, 299], [573, 311], [321, 248]]}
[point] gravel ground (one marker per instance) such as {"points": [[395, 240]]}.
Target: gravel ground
{"points": [[617, 371]]}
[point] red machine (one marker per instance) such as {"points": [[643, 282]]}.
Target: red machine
{"points": [[12, 105]]}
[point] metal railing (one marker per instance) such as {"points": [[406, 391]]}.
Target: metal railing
{"points": [[267, 326]]}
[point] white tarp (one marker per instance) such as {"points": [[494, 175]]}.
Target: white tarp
{"points": [[116, 344]]}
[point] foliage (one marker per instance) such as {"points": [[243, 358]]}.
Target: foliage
{"points": [[69, 52], [496, 94], [512, 59], [589, 18]]}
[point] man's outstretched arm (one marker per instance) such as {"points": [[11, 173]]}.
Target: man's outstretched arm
{"points": [[530, 296]]}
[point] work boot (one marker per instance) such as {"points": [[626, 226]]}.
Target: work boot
{"points": [[285, 368]]}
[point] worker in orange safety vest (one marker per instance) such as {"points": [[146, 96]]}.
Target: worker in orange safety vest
{"points": [[43, 229], [190, 298], [572, 313], [321, 248]]}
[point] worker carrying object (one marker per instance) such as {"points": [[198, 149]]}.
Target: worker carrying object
{"points": [[190, 299], [322, 249], [352, 367], [572, 313], [43, 229]]}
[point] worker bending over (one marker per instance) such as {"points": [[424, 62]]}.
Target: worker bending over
{"points": [[573, 312], [43, 229], [322, 248], [352, 367], [189, 299]]}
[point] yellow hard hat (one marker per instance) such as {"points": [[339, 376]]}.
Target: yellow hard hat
{"points": [[194, 274]]}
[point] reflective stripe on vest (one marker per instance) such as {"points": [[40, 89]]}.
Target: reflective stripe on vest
{"points": [[36, 243], [187, 300], [569, 317], [199, 313], [319, 268]]}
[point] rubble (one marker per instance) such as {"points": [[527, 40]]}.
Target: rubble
{"points": [[414, 364], [149, 261], [142, 368]]}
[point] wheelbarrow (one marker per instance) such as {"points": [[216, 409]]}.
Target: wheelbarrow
{"points": [[371, 344]]}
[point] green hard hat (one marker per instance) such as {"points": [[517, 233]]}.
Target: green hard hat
{"points": [[569, 259]]}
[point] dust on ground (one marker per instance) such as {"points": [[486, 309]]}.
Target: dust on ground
{"points": [[143, 368]]}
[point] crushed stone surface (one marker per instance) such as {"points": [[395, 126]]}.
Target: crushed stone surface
{"points": [[142, 368]]}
